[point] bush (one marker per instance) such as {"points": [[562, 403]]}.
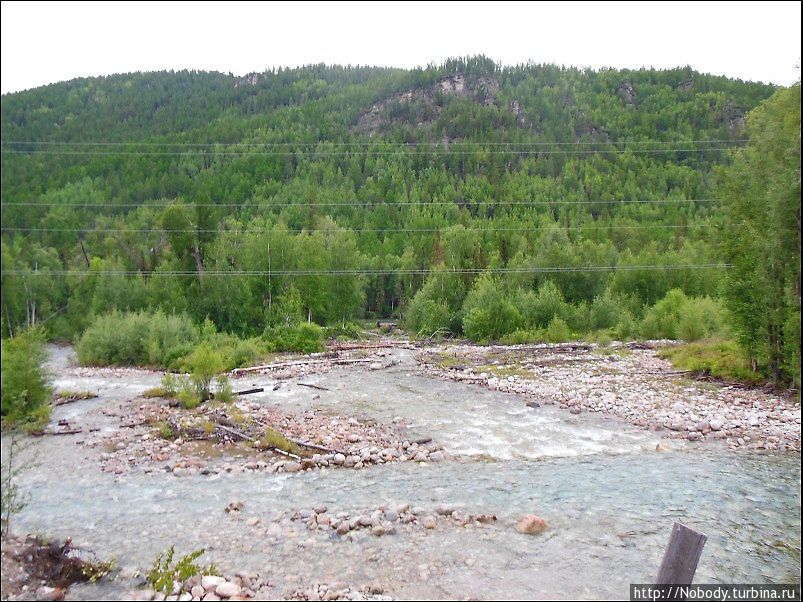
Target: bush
{"points": [[301, 338], [204, 365], [427, 316], [347, 331], [661, 320], [721, 359], [487, 314], [437, 305], [541, 307], [25, 389], [163, 573], [606, 311], [236, 352], [522, 337], [677, 316], [700, 318], [136, 339], [626, 327], [557, 331]]}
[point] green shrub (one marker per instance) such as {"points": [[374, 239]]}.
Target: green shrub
{"points": [[627, 326], [677, 316], [171, 384], [165, 431], [301, 338], [578, 317], [188, 399], [135, 339], [541, 307], [557, 331], [605, 311], [223, 390], [25, 389], [700, 318], [348, 331], [661, 320], [164, 573], [204, 364], [487, 313], [237, 352], [437, 305], [427, 316], [522, 337], [721, 359]]}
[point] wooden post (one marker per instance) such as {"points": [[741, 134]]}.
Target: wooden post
{"points": [[681, 556]]}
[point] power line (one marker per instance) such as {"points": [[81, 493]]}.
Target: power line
{"points": [[356, 203], [367, 152], [346, 230], [369, 143], [369, 272]]}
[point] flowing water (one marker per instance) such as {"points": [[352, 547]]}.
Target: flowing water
{"points": [[609, 497]]}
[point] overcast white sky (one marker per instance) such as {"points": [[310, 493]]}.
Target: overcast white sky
{"points": [[45, 42]]}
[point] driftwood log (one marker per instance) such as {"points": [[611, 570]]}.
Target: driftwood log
{"points": [[282, 365]]}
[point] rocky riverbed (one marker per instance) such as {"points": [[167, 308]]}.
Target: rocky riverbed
{"points": [[429, 484], [629, 382]]}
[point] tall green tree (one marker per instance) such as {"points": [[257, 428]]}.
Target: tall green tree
{"points": [[760, 193]]}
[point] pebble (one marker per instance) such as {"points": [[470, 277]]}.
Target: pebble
{"points": [[626, 387], [228, 589]]}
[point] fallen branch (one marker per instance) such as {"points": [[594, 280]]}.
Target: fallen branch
{"points": [[249, 391], [355, 346], [66, 432], [282, 365], [236, 433], [282, 452], [60, 401], [314, 446], [311, 386]]}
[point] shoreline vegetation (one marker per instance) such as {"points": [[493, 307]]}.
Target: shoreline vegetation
{"points": [[510, 204]]}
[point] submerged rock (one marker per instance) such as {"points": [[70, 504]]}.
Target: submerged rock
{"points": [[531, 524]]}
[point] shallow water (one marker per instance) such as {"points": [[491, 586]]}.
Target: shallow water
{"points": [[609, 497]]}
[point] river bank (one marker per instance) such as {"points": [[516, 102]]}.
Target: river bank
{"points": [[383, 530]]}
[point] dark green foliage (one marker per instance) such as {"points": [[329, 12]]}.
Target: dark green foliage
{"points": [[25, 388], [305, 178], [761, 204], [301, 338]]}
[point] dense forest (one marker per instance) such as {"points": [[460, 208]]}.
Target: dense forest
{"points": [[533, 202]]}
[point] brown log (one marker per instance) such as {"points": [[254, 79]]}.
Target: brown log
{"points": [[66, 432], [249, 391]]}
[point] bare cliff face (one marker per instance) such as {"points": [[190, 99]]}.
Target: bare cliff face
{"points": [[422, 106]]}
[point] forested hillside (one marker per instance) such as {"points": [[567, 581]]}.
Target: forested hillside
{"points": [[484, 200]]}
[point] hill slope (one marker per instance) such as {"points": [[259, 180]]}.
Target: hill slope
{"points": [[336, 192]]}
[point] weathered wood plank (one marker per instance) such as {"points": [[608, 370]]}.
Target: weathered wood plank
{"points": [[681, 556]]}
